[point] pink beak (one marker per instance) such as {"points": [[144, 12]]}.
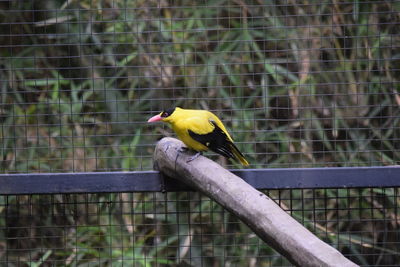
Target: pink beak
{"points": [[155, 118]]}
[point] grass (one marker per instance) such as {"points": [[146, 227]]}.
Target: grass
{"points": [[299, 84]]}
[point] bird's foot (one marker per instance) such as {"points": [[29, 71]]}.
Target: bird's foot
{"points": [[183, 149], [193, 157]]}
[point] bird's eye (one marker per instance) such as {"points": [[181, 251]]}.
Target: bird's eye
{"points": [[167, 113]]}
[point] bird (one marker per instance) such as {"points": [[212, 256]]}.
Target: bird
{"points": [[201, 130]]}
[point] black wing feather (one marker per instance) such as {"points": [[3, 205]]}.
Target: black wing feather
{"points": [[216, 141]]}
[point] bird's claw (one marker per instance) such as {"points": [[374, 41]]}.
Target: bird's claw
{"points": [[183, 149], [193, 157]]}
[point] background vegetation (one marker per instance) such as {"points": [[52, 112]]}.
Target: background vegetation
{"points": [[299, 84]]}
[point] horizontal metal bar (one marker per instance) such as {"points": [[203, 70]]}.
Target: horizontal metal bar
{"points": [[152, 181]]}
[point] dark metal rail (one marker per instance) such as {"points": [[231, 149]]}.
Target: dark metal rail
{"points": [[102, 182]]}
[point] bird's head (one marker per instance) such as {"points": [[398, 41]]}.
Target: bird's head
{"points": [[163, 116]]}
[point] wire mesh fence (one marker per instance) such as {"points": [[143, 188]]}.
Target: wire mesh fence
{"points": [[298, 84], [188, 229]]}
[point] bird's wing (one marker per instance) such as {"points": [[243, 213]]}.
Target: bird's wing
{"points": [[217, 140], [219, 124], [197, 124]]}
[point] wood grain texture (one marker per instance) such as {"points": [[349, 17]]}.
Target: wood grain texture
{"points": [[255, 209]]}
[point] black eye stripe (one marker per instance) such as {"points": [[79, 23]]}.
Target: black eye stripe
{"points": [[167, 113]]}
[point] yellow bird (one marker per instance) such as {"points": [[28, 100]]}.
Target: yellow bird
{"points": [[201, 130]]}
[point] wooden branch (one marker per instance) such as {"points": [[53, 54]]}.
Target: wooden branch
{"points": [[258, 211]]}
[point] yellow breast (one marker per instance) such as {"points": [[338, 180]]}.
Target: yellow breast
{"points": [[184, 136]]}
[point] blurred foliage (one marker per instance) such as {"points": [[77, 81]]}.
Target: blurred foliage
{"points": [[299, 83]]}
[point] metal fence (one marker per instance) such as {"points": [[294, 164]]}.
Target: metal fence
{"points": [[188, 229], [300, 85]]}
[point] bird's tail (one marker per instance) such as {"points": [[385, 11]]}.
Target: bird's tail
{"points": [[238, 155]]}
